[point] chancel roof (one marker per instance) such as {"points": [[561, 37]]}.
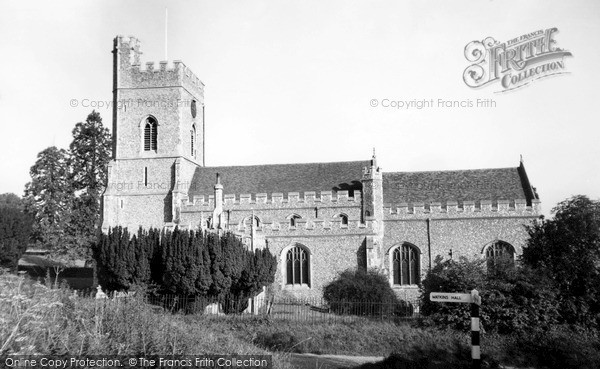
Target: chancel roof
{"points": [[457, 185]]}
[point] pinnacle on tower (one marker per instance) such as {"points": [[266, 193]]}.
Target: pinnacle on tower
{"points": [[374, 159]]}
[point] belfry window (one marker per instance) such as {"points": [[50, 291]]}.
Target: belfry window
{"points": [[192, 142], [297, 266], [293, 219], [343, 219], [150, 134], [405, 265]]}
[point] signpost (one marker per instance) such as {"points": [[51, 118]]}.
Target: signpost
{"points": [[474, 299], [450, 297]]}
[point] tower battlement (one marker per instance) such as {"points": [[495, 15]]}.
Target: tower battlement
{"points": [[131, 74]]}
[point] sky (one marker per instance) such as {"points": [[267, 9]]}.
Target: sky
{"points": [[297, 81]]}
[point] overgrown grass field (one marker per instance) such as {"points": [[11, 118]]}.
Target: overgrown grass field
{"points": [[35, 319]]}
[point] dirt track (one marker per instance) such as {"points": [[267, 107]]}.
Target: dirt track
{"points": [[313, 361]]}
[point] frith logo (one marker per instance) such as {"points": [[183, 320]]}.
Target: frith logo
{"points": [[514, 63]]}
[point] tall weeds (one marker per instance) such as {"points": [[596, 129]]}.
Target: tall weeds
{"points": [[36, 319]]}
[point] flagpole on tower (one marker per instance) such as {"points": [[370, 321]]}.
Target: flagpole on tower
{"points": [[166, 28]]}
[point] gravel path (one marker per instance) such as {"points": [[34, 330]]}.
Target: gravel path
{"points": [[313, 361]]}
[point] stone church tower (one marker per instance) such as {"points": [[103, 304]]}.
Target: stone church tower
{"points": [[158, 138]]}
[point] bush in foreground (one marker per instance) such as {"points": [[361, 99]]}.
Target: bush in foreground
{"points": [[515, 299], [359, 292]]}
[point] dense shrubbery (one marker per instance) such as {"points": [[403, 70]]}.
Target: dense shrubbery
{"points": [[360, 292], [186, 263], [558, 348], [514, 299], [556, 282], [567, 250]]}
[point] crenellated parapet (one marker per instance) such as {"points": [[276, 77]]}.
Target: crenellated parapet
{"points": [[133, 75], [278, 200], [307, 227], [454, 209]]}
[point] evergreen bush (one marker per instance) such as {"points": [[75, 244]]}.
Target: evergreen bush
{"points": [[190, 264], [360, 292]]}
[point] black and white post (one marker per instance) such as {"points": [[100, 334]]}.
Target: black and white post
{"points": [[475, 338], [475, 300]]}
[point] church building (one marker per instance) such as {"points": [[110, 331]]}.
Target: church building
{"points": [[319, 219]]}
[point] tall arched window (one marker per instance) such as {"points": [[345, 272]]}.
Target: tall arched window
{"points": [[500, 253], [406, 265], [193, 141], [297, 266], [150, 134]]}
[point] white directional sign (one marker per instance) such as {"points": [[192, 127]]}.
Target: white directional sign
{"points": [[450, 297]]}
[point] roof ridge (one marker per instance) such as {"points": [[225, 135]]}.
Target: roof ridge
{"points": [[286, 164], [451, 170]]}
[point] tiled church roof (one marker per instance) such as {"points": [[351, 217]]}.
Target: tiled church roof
{"points": [[398, 187], [281, 178], [457, 185]]}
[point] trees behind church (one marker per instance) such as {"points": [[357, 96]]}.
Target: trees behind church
{"points": [[15, 229], [183, 263], [65, 191]]}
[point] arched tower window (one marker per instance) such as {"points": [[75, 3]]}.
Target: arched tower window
{"points": [[193, 141], [150, 134], [500, 253], [406, 265], [297, 264]]}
